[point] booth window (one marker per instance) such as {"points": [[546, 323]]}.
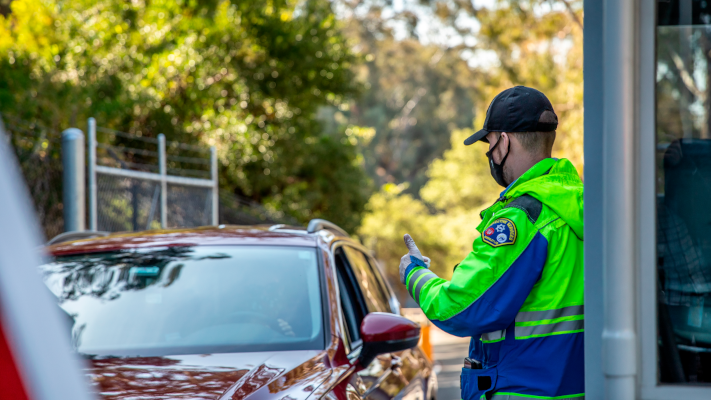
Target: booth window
{"points": [[683, 188]]}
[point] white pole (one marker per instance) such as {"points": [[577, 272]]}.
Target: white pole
{"points": [[163, 169], [91, 146], [73, 194], [215, 187], [619, 343]]}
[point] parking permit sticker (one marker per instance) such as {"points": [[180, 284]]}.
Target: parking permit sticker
{"points": [[144, 271], [500, 233]]}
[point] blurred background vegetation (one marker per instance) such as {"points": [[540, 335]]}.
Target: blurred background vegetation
{"points": [[349, 110]]}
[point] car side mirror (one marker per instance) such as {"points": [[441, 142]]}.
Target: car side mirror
{"points": [[386, 333]]}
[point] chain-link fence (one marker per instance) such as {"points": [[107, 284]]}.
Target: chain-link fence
{"points": [[128, 192], [189, 206], [124, 202], [138, 183]]}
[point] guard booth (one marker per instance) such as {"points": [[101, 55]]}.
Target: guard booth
{"points": [[648, 199]]}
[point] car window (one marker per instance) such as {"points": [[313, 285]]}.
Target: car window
{"points": [[352, 303], [190, 300], [373, 294], [392, 301]]}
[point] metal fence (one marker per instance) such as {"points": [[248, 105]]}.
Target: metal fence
{"points": [[121, 196], [137, 183]]}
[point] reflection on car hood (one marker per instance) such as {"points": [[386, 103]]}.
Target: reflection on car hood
{"points": [[232, 376]]}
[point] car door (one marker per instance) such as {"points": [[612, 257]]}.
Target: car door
{"points": [[387, 376], [414, 366], [381, 380]]}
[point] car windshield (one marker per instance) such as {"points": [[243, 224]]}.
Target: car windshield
{"points": [[190, 300]]}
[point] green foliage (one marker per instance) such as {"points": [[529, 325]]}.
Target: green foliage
{"points": [[39, 156], [415, 96], [461, 178], [390, 214], [533, 43], [246, 76], [459, 188], [539, 44]]}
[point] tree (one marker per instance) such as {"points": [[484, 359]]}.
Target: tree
{"points": [[246, 76], [459, 187], [415, 94], [532, 43]]}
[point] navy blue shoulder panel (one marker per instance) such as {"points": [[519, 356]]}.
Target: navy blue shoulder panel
{"points": [[528, 204]]}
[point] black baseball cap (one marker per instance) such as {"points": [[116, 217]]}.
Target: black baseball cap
{"points": [[515, 110]]}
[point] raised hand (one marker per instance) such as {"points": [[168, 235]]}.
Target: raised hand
{"points": [[413, 251]]}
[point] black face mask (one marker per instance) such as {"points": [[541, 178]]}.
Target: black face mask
{"points": [[497, 170]]}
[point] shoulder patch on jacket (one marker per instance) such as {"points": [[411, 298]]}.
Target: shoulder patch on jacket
{"points": [[528, 204], [500, 233]]}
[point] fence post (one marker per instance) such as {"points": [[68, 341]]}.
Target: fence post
{"points": [[163, 182], [73, 195], [91, 146], [215, 184]]}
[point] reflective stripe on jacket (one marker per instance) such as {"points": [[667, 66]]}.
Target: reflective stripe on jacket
{"points": [[519, 293]]}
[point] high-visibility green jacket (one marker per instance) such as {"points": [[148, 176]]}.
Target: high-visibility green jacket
{"points": [[519, 293]]}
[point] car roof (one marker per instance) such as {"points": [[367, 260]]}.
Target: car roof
{"points": [[270, 235]]}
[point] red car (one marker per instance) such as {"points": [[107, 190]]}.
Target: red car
{"points": [[233, 312]]}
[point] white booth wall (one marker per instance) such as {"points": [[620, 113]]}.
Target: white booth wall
{"points": [[646, 320]]}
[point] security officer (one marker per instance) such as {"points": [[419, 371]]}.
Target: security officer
{"points": [[519, 293]]}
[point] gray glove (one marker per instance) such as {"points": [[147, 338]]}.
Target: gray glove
{"points": [[406, 260]]}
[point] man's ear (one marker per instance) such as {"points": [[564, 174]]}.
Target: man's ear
{"points": [[505, 146]]}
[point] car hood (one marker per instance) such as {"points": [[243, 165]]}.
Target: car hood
{"points": [[233, 376]]}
